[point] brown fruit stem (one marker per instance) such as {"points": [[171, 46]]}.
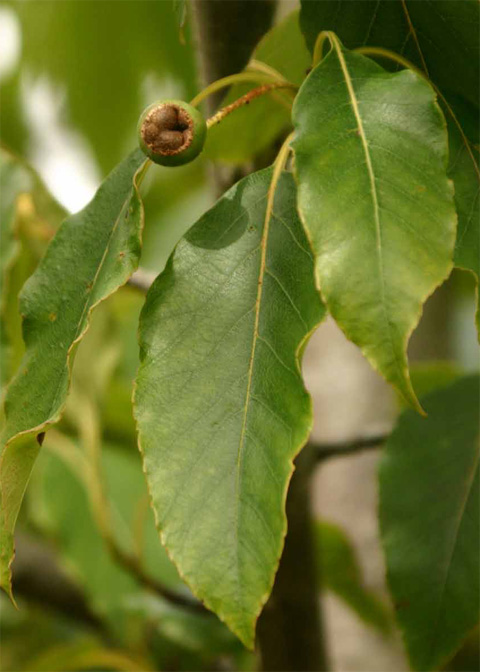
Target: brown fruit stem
{"points": [[246, 99]]}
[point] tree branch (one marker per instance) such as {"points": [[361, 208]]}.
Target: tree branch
{"points": [[324, 451], [290, 632], [226, 32], [38, 578]]}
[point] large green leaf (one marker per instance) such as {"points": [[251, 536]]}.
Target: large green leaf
{"points": [[438, 36], [220, 403], [441, 38], [93, 253], [429, 514], [252, 128], [340, 572], [371, 156]]}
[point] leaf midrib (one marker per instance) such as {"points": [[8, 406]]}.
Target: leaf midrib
{"points": [[373, 187], [263, 256]]}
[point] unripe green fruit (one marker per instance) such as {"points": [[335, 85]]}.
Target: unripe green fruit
{"points": [[171, 132]]}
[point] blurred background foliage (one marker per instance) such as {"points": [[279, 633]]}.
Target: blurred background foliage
{"points": [[74, 79]]}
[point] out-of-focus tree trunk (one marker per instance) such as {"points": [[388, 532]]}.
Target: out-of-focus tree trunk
{"points": [[290, 628]]}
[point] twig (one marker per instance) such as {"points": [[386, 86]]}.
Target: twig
{"points": [[89, 431], [324, 451], [38, 578], [246, 99]]}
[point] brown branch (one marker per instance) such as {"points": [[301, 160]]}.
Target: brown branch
{"points": [[38, 578], [132, 564], [246, 99], [324, 451]]}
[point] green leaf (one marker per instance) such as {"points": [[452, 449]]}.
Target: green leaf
{"points": [[438, 36], [465, 173], [429, 515], [93, 253], [371, 155], [60, 506], [432, 375], [86, 655], [220, 404], [253, 128], [29, 215], [340, 572]]}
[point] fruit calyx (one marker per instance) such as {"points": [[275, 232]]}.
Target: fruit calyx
{"points": [[167, 129]]}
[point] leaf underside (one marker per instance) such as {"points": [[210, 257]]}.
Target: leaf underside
{"points": [[220, 403], [371, 155], [429, 517], [94, 252]]}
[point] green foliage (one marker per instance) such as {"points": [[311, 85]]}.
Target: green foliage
{"points": [[439, 37], [429, 516], [28, 217], [101, 54], [220, 404], [432, 375], [375, 201], [464, 171], [339, 572], [94, 252]]}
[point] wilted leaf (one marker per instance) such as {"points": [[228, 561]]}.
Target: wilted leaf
{"points": [[429, 515], [220, 403], [371, 155], [93, 253]]}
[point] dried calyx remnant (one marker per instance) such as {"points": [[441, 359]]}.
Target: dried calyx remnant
{"points": [[167, 129], [171, 132]]}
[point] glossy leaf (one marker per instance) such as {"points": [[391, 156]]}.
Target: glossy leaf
{"points": [[93, 253], [253, 128], [220, 403], [438, 36], [340, 572], [371, 155], [429, 515]]}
